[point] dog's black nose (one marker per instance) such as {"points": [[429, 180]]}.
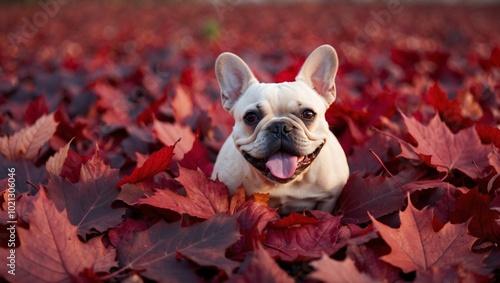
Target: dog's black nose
{"points": [[280, 128]]}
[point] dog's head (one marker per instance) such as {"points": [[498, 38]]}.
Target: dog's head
{"points": [[279, 128]]}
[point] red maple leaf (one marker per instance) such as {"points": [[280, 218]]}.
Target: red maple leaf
{"points": [[158, 161], [489, 134], [88, 201], [204, 197], [197, 158], [36, 109], [253, 218], [416, 246], [440, 148], [476, 206], [159, 251], [378, 195], [50, 250], [449, 110]]}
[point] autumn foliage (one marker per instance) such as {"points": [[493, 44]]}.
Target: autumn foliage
{"points": [[110, 116]]}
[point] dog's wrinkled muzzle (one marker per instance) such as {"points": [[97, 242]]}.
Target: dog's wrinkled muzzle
{"points": [[281, 166]]}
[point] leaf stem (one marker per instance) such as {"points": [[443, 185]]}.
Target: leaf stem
{"points": [[114, 274], [387, 170]]}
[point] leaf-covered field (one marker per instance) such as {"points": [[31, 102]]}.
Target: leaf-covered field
{"points": [[110, 122]]}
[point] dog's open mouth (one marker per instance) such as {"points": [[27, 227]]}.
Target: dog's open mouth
{"points": [[282, 166]]}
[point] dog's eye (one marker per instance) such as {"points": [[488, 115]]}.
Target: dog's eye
{"points": [[308, 114], [250, 118]]}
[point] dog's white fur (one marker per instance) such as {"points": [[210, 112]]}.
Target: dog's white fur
{"points": [[320, 184]]}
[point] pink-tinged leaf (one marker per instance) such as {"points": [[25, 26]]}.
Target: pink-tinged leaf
{"points": [[115, 104], [55, 163], [427, 184], [494, 159], [416, 246], [378, 195], [182, 104], [36, 109], [329, 270], [28, 142], [169, 134], [298, 242], [50, 250], [204, 197], [476, 206], [156, 163], [259, 266], [156, 251], [445, 151], [88, 202]]}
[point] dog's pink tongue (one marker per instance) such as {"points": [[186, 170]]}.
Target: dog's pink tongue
{"points": [[282, 165]]}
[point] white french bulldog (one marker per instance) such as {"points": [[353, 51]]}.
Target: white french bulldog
{"points": [[281, 143]]}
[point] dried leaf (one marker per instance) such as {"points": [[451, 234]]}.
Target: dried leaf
{"points": [[28, 142]]}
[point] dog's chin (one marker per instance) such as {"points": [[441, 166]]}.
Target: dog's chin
{"points": [[303, 162]]}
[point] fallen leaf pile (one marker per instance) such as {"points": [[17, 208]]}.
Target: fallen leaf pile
{"points": [[111, 119]]}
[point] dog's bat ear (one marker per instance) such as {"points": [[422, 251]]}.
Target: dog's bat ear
{"points": [[319, 72], [234, 77]]}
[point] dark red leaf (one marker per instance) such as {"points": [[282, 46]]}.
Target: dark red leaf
{"points": [[489, 134], [260, 267], [368, 261], [197, 158], [252, 218], [52, 243], [476, 206], [36, 109], [88, 202], [378, 195], [154, 252], [308, 240], [449, 110]]}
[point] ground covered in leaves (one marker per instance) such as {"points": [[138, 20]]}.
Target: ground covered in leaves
{"points": [[110, 123]]}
